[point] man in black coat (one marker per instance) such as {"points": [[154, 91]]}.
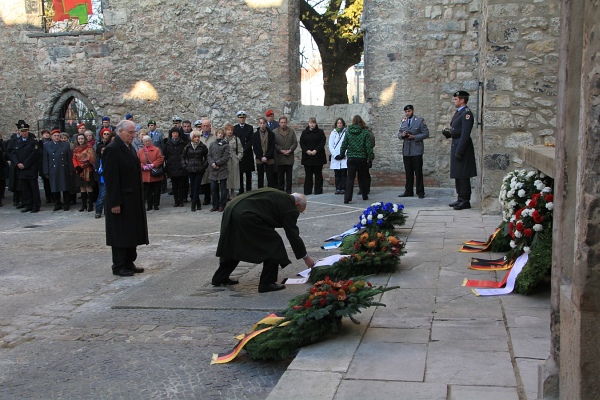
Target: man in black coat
{"points": [[26, 157], [126, 224], [244, 132], [248, 234], [462, 152], [263, 144], [57, 167]]}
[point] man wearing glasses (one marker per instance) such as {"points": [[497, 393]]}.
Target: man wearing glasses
{"points": [[245, 132], [126, 224]]}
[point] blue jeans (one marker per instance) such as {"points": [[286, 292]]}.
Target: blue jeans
{"points": [[100, 199], [219, 193]]}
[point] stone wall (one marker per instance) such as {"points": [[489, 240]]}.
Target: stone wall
{"points": [[520, 73], [419, 53], [160, 58], [441, 46]]}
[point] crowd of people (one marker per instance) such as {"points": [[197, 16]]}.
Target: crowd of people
{"points": [[198, 160]]}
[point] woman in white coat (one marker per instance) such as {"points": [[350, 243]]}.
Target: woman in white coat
{"points": [[338, 162]]}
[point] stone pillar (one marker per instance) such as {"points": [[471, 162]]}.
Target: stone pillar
{"points": [[576, 239]]}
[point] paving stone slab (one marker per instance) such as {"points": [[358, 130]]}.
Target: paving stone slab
{"points": [[459, 392], [295, 385], [376, 389], [469, 363], [396, 335], [468, 329], [531, 342], [394, 362], [528, 370]]}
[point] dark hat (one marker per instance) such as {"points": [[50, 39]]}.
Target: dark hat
{"points": [[105, 118], [22, 125], [269, 113], [152, 122], [408, 107], [127, 116], [460, 93], [241, 113]]}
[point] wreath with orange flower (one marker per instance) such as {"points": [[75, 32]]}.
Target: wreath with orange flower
{"points": [[314, 316], [369, 253]]}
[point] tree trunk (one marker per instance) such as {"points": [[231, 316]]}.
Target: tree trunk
{"points": [[335, 83]]}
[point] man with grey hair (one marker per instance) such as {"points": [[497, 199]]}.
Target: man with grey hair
{"points": [[248, 234], [126, 224]]}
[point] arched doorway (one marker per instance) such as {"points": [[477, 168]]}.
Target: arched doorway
{"points": [[68, 110]]}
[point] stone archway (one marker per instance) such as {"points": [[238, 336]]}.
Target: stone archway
{"points": [[68, 109]]}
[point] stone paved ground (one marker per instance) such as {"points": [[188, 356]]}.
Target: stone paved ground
{"points": [[70, 329]]}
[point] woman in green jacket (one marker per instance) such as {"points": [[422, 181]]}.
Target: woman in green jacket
{"points": [[358, 148]]}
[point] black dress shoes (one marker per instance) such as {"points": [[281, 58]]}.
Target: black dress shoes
{"points": [[421, 196], [135, 269], [455, 203], [226, 282], [122, 272], [271, 287], [26, 209], [406, 195], [57, 206], [462, 206]]}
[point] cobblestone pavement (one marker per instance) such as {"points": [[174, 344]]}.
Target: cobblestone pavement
{"points": [[70, 329]]}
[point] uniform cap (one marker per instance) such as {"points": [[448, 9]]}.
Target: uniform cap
{"points": [[461, 93], [408, 107], [105, 118], [55, 130], [127, 116], [177, 118], [79, 125], [241, 113], [198, 122], [152, 122], [269, 113]]}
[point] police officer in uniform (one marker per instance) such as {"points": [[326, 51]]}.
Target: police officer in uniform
{"points": [[413, 131], [26, 156], [245, 131], [462, 152]]}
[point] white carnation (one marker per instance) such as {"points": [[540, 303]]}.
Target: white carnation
{"points": [[521, 193], [395, 208], [518, 234], [513, 244], [379, 216], [510, 193], [547, 189], [526, 249], [550, 206], [542, 175], [538, 227], [520, 185], [363, 221], [530, 174], [512, 203], [369, 217], [527, 203]]}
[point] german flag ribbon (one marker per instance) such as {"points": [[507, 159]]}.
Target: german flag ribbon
{"points": [[499, 264], [508, 283], [271, 319], [477, 246]]}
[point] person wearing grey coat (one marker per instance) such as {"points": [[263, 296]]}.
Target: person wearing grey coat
{"points": [[57, 166], [413, 131], [218, 156]]}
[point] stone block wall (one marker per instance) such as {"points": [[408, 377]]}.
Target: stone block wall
{"points": [[419, 53], [520, 74], [441, 46], [156, 59]]}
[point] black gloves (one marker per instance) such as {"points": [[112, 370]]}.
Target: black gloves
{"points": [[447, 132], [339, 157], [458, 156], [78, 169]]}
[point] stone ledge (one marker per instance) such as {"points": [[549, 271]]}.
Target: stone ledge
{"points": [[71, 33], [540, 157]]}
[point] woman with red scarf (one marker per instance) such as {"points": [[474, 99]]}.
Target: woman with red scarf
{"points": [[84, 158]]}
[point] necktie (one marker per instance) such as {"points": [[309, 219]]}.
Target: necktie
{"points": [[409, 122]]}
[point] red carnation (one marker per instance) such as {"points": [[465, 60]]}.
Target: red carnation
{"points": [[518, 213], [532, 203], [528, 232], [537, 218], [519, 226], [549, 198], [535, 196]]}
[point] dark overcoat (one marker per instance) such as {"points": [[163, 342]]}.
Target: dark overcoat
{"points": [[57, 164], [123, 179], [13, 181], [257, 145], [27, 152], [462, 124], [194, 160], [173, 157], [313, 140], [248, 227], [218, 153], [245, 135], [3, 163]]}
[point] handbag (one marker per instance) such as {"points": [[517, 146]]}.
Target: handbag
{"points": [[159, 171]]}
